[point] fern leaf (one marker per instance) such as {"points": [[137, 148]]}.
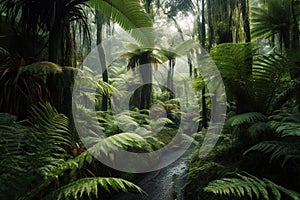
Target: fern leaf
{"points": [[89, 186], [247, 118], [259, 129], [115, 142], [277, 149], [247, 185], [129, 16]]}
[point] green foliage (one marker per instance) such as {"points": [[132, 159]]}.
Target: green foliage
{"points": [[89, 186], [116, 142], [269, 72], [129, 16], [23, 85], [24, 155], [234, 66], [42, 68], [34, 158], [278, 149], [271, 18], [259, 129], [251, 186], [252, 80], [137, 123], [286, 146], [236, 70], [246, 118], [178, 6]]}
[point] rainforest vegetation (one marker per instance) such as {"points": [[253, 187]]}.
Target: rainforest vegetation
{"points": [[44, 46]]}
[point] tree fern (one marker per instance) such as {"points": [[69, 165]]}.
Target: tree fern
{"points": [[270, 18], [251, 186]]}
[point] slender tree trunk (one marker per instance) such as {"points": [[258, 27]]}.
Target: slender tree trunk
{"points": [[294, 44], [203, 44], [55, 41], [203, 30], [146, 74], [100, 20], [210, 26], [170, 85], [245, 14]]}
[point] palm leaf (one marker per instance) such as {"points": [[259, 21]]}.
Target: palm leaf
{"points": [[271, 18]]}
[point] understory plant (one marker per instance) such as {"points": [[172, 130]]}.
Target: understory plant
{"points": [[38, 160]]}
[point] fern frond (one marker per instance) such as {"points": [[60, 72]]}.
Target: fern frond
{"points": [[129, 16], [89, 187], [288, 129], [271, 18], [51, 125], [267, 73], [247, 118], [13, 163], [277, 149], [29, 154], [249, 185], [259, 129], [234, 64], [100, 146]]}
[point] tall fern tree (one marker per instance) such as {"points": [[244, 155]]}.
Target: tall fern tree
{"points": [[280, 19]]}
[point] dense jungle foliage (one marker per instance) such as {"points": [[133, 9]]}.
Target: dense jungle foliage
{"points": [[44, 45]]}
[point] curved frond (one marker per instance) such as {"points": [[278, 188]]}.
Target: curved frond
{"points": [[247, 118], [249, 185], [235, 64], [259, 129], [267, 74], [30, 153], [277, 150], [129, 15], [100, 146], [89, 187], [271, 18]]}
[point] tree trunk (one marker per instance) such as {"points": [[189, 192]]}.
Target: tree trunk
{"points": [[204, 110], [100, 20], [211, 29], [294, 44], [203, 31], [146, 74], [55, 44], [245, 14], [170, 77]]}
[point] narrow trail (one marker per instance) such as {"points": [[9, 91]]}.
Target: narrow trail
{"points": [[164, 184]]}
